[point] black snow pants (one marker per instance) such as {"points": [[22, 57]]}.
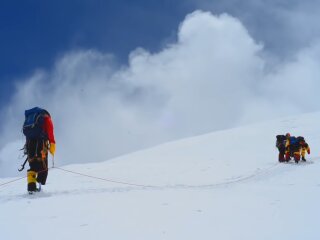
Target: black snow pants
{"points": [[37, 152]]}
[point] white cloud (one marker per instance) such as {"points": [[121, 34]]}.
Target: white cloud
{"points": [[213, 77], [285, 26]]}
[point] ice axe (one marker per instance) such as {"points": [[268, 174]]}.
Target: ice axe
{"points": [[22, 165]]}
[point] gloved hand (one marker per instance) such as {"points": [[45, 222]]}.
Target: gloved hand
{"points": [[52, 148], [308, 151]]}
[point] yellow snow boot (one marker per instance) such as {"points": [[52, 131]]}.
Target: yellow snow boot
{"points": [[32, 182]]}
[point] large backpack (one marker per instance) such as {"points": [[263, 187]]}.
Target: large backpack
{"points": [[294, 141], [300, 139], [280, 141], [32, 126]]}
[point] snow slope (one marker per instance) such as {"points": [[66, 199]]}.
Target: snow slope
{"points": [[222, 185]]}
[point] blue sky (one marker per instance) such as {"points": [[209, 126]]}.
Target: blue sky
{"points": [[36, 33]]}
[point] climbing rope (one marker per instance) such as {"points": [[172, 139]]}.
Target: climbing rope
{"points": [[104, 179], [20, 178], [244, 178]]}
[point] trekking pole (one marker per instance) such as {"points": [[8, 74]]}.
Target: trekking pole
{"points": [[52, 161]]}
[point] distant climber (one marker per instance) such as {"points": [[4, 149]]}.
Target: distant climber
{"points": [[304, 149], [38, 129], [281, 145], [295, 147], [292, 148]]}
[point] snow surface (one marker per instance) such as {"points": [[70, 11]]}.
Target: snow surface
{"points": [[223, 185]]}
